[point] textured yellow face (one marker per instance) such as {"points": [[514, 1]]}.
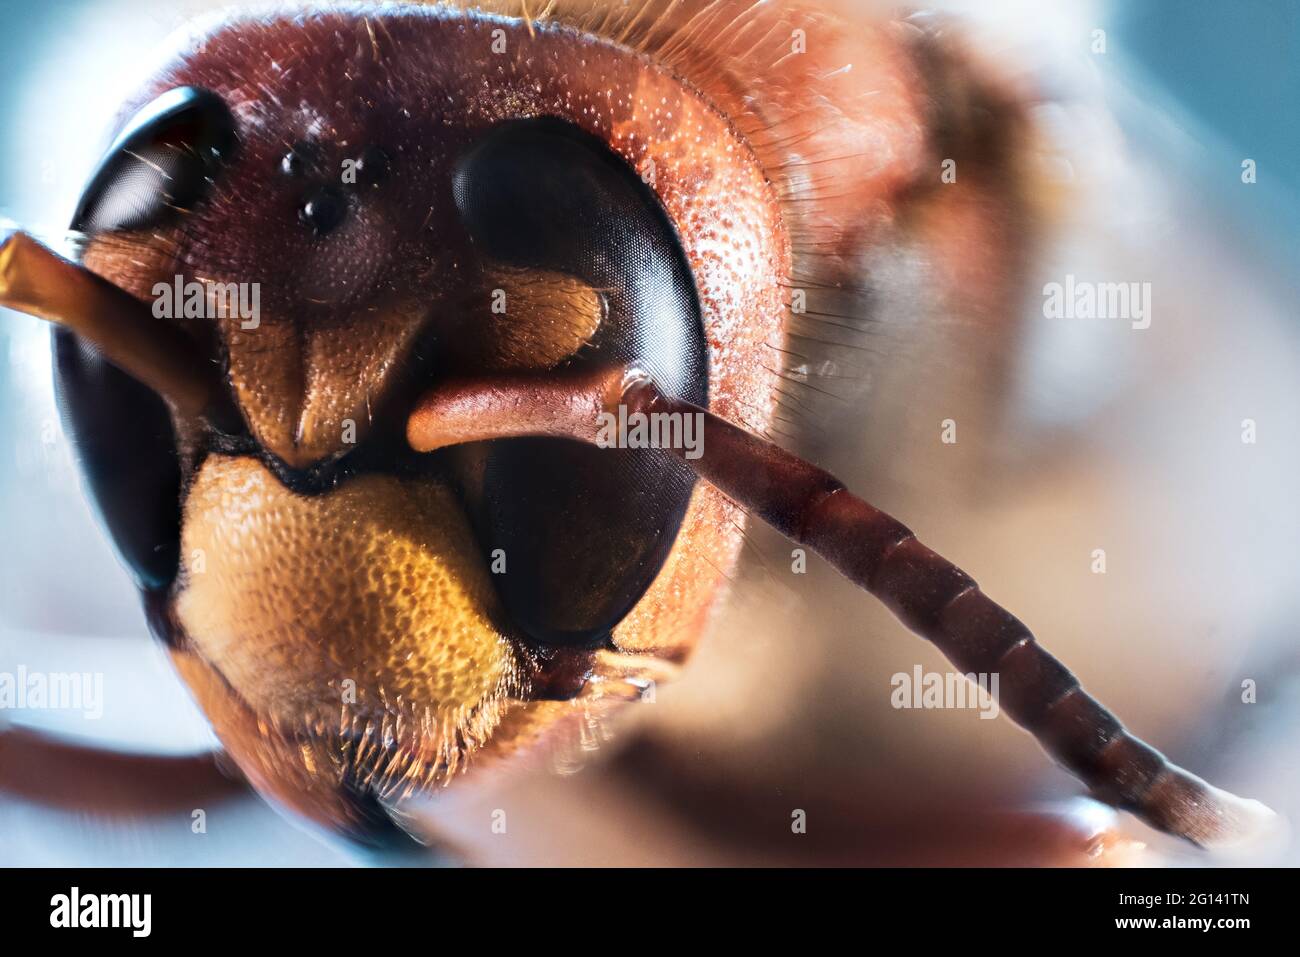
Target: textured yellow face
{"points": [[365, 612], [346, 644]]}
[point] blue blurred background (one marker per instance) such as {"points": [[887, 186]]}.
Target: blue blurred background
{"points": [[1231, 72]]}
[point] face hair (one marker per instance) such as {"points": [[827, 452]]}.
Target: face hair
{"points": [[40, 283], [928, 594]]}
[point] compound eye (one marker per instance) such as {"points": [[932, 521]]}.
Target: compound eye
{"points": [[162, 162], [586, 530]]}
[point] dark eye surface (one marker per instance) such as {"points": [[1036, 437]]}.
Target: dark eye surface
{"points": [[303, 158], [163, 161], [323, 210], [584, 530], [373, 166], [132, 473]]}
